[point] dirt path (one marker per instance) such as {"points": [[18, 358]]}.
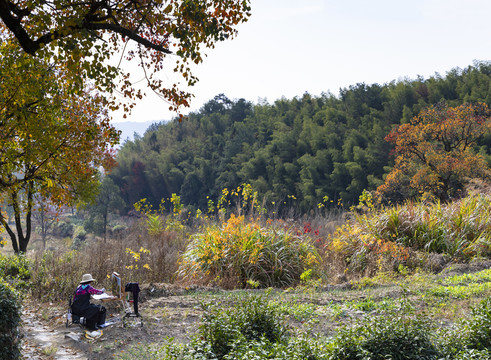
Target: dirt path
{"points": [[41, 341], [45, 335]]}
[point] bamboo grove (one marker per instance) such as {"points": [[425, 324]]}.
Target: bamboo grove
{"points": [[304, 153]]}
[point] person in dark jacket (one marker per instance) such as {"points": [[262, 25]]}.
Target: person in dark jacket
{"points": [[94, 315]]}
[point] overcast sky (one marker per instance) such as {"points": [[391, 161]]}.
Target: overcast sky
{"points": [[289, 47]]}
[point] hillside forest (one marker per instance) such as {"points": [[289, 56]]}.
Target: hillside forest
{"points": [[298, 154]]}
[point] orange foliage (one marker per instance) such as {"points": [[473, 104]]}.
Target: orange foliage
{"points": [[434, 153], [364, 252]]}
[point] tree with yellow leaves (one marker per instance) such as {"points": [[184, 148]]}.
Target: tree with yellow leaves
{"points": [[52, 141]]}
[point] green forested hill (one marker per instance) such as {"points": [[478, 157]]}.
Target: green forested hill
{"points": [[307, 147]]}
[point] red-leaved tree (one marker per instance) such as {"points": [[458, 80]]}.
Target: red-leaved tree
{"points": [[434, 153]]}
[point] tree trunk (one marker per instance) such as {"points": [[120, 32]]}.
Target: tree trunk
{"points": [[23, 238], [44, 225], [12, 235], [443, 196], [105, 226]]}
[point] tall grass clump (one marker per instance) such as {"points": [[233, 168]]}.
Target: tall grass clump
{"points": [[383, 239], [460, 229], [355, 248], [55, 275], [238, 253]]}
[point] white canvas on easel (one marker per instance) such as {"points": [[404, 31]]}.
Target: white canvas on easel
{"points": [[103, 296]]}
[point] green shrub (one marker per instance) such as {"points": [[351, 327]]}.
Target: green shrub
{"points": [[238, 252], [473, 333], [385, 337], [299, 348], [79, 237], [197, 349], [62, 229], [15, 267], [9, 322], [219, 330], [252, 319], [469, 354], [252, 325], [294, 349], [257, 319]]}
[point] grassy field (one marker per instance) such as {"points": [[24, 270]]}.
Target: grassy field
{"points": [[418, 316], [411, 280]]}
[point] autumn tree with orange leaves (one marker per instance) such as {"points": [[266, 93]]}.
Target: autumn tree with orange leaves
{"points": [[434, 153], [153, 34], [52, 141]]}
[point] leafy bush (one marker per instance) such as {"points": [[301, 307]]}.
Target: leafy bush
{"points": [[14, 267], [62, 229], [253, 325], [300, 348], [9, 322], [469, 354], [79, 237], [385, 337], [238, 252], [258, 319], [219, 331], [473, 333], [252, 319]]}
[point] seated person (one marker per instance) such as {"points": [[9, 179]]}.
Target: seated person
{"points": [[94, 315]]}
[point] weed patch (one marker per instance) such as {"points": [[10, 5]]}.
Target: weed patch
{"points": [[239, 253]]}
